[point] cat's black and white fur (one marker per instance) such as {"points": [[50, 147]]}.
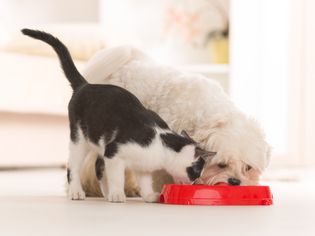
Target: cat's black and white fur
{"points": [[112, 122]]}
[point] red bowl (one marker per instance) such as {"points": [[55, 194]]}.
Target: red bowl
{"points": [[215, 195]]}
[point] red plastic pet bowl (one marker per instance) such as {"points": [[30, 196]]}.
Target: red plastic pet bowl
{"points": [[215, 195]]}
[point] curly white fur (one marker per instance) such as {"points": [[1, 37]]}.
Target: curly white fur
{"points": [[185, 101]]}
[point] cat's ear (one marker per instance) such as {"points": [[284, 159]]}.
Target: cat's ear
{"points": [[185, 134], [204, 154]]}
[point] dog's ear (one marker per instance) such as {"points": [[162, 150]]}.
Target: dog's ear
{"points": [[217, 122], [205, 155], [185, 134]]}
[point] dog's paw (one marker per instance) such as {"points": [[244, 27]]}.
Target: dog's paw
{"points": [[76, 193], [132, 192], [116, 196], [152, 197]]}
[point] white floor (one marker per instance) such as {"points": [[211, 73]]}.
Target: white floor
{"points": [[34, 203]]}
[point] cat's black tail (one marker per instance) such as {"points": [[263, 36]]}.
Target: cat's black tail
{"points": [[71, 72]]}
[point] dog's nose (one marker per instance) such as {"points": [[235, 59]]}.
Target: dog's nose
{"points": [[233, 181]]}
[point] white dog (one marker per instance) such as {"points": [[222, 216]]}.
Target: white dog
{"points": [[188, 102]]}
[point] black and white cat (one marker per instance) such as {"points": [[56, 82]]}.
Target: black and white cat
{"points": [[113, 123]]}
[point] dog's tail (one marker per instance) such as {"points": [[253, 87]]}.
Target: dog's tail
{"points": [[109, 60], [71, 72]]}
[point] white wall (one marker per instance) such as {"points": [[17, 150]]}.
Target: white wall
{"points": [[259, 64], [308, 82], [272, 72]]}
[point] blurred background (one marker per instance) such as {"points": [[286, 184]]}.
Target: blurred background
{"points": [[262, 52]]}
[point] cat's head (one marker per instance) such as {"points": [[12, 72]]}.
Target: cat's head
{"points": [[190, 161]]}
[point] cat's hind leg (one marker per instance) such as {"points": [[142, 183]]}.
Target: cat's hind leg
{"points": [[115, 173], [78, 151], [146, 190]]}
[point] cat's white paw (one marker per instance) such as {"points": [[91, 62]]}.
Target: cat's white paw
{"points": [[152, 197], [116, 196], [76, 193]]}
